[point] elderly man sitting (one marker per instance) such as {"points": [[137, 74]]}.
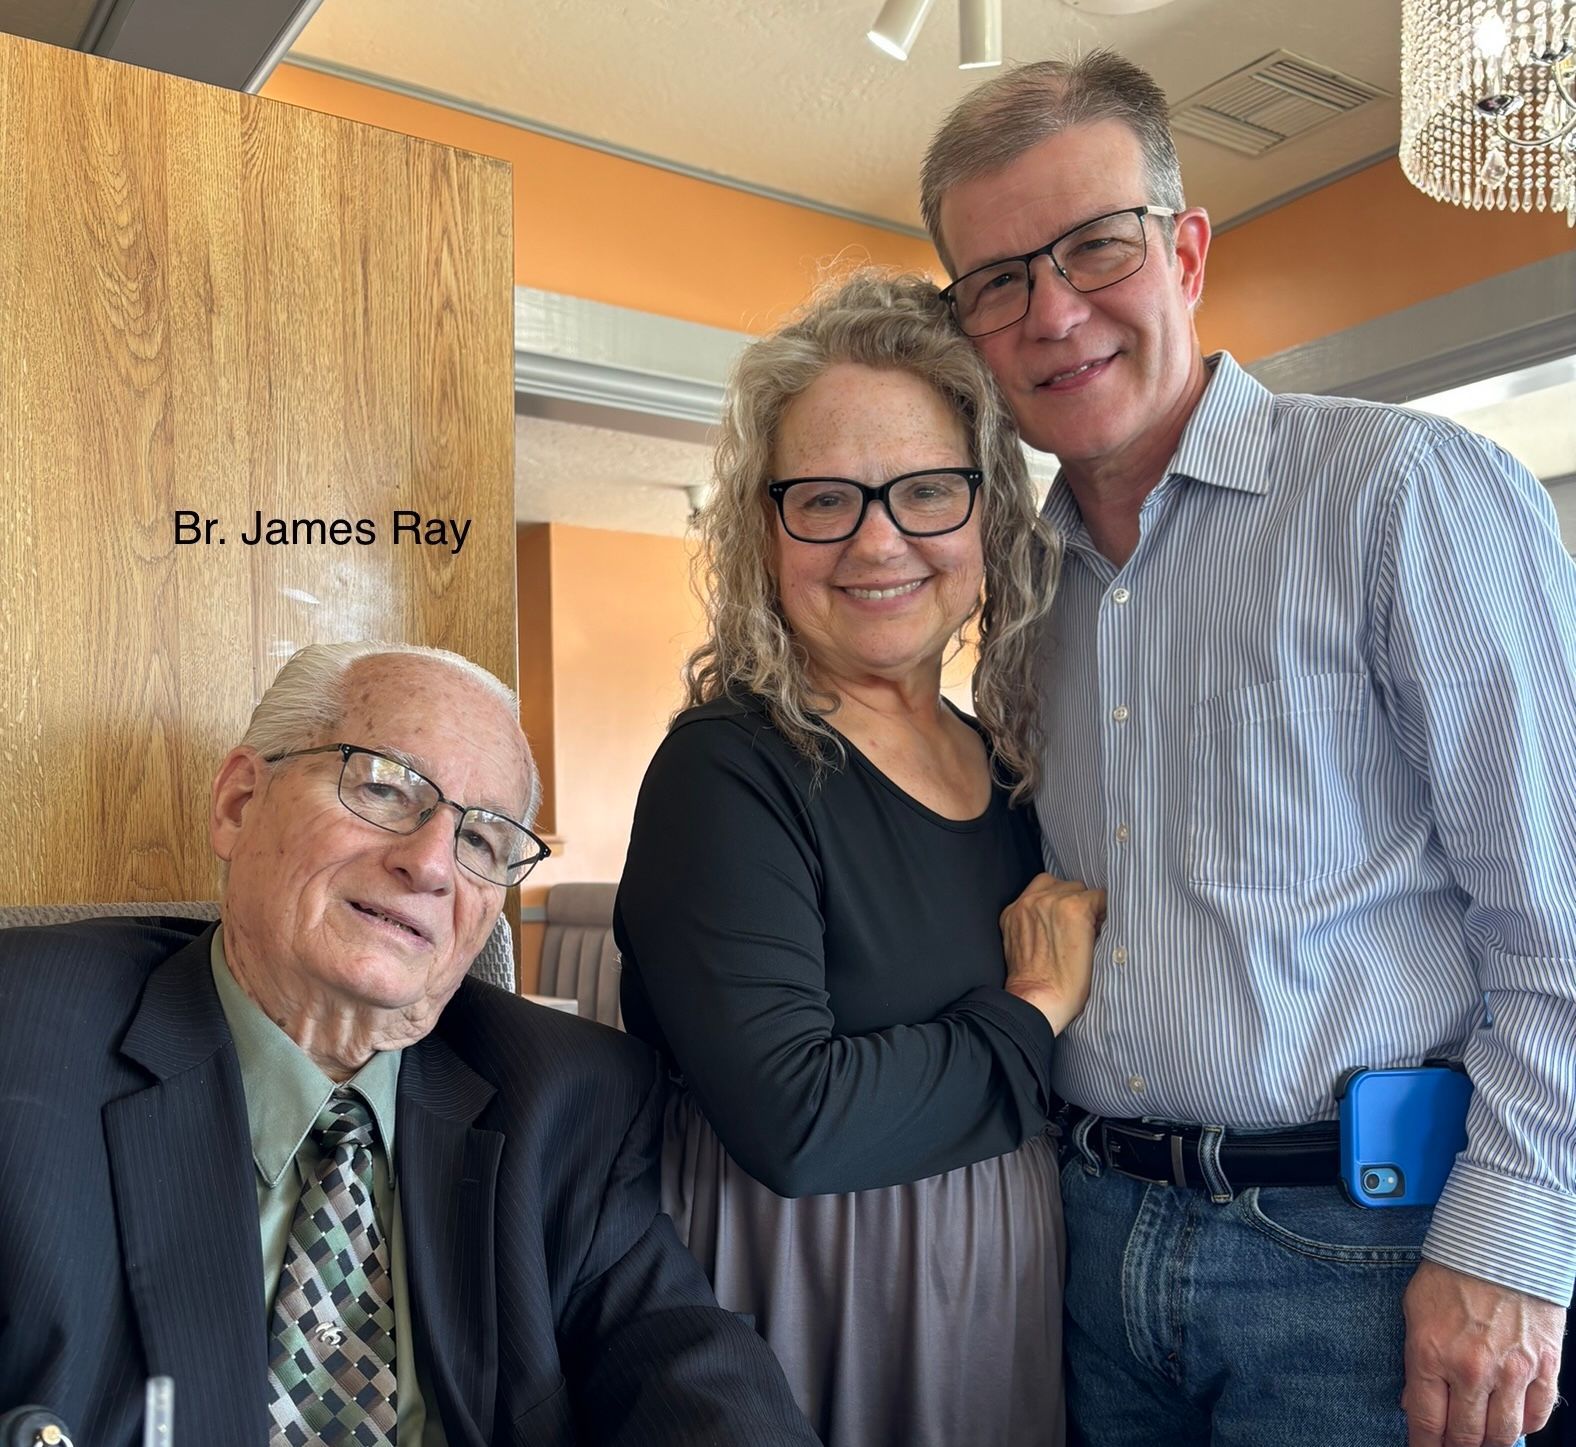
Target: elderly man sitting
{"points": [[300, 1164]]}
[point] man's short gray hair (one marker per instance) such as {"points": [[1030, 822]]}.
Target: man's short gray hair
{"points": [[306, 700], [997, 122]]}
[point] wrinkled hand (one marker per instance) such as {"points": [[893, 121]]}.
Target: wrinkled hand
{"points": [[1048, 933], [1482, 1360]]}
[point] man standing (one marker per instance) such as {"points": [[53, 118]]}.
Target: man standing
{"points": [[1309, 696], [303, 1166]]}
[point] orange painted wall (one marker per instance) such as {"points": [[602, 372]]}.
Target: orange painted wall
{"points": [[623, 621], [592, 225], [1352, 251], [610, 622]]}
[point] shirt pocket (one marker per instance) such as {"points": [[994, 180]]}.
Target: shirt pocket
{"points": [[1275, 772]]}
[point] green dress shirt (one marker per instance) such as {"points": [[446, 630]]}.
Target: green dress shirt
{"points": [[284, 1093]]}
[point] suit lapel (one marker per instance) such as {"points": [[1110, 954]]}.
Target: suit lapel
{"points": [[448, 1177], [185, 1199]]}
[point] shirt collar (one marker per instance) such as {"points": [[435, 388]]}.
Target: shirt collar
{"points": [[285, 1091], [1227, 439], [1226, 442]]}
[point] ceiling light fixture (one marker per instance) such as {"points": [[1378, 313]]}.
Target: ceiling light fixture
{"points": [[1488, 102], [979, 30], [979, 34], [897, 26]]}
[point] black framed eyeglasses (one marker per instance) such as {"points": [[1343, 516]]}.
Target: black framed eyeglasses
{"points": [[395, 797], [1090, 257], [922, 504]]}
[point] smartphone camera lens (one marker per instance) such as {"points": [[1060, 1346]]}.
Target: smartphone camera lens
{"points": [[1382, 1181]]}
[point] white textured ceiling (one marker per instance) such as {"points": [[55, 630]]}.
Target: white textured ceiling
{"points": [[789, 94], [593, 477]]}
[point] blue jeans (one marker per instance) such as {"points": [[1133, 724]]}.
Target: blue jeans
{"points": [[1268, 1318]]}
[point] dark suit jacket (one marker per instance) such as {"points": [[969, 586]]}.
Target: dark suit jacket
{"points": [[552, 1303]]}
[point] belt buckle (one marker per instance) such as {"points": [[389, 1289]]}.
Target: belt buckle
{"points": [[1178, 1176]]}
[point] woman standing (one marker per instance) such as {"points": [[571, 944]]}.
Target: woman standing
{"points": [[825, 859]]}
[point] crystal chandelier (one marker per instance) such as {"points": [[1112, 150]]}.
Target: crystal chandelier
{"points": [[1488, 102]]}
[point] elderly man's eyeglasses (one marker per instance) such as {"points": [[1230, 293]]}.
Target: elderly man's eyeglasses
{"points": [[395, 797], [1090, 257], [920, 504]]}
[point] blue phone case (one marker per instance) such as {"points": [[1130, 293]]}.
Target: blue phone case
{"points": [[1401, 1131]]}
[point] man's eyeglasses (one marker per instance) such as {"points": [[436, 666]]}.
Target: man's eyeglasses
{"points": [[395, 797], [1090, 257], [920, 504]]}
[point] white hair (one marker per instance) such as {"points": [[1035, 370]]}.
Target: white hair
{"points": [[306, 700]]}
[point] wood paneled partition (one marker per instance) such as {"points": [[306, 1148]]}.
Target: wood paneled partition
{"points": [[217, 311]]}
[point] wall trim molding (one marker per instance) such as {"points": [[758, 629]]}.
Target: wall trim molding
{"points": [[599, 365], [1518, 319], [593, 384], [591, 143]]}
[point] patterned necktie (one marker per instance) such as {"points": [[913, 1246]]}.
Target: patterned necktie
{"points": [[331, 1337]]}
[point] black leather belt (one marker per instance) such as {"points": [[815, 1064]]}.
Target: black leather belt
{"points": [[1164, 1154]]}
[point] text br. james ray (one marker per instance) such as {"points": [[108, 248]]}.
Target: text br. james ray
{"points": [[404, 527]]}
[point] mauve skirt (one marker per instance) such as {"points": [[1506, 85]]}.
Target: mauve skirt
{"points": [[926, 1315]]}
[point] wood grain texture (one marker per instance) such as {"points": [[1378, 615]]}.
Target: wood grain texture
{"points": [[222, 304]]}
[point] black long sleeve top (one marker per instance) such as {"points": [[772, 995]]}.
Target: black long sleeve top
{"points": [[823, 965]]}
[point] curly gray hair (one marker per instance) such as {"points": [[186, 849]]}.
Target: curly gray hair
{"points": [[874, 319]]}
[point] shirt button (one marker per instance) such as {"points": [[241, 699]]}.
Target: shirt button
{"points": [[1119, 955], [1119, 713], [1135, 1083], [1122, 834], [1120, 595]]}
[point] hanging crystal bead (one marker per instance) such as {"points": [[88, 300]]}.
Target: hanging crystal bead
{"points": [[1555, 114], [1495, 167]]}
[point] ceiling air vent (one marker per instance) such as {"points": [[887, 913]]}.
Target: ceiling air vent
{"points": [[1272, 101]]}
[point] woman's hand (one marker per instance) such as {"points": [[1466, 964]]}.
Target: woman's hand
{"points": [[1048, 933]]}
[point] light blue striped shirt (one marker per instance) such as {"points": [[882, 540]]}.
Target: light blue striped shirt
{"points": [[1317, 740]]}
